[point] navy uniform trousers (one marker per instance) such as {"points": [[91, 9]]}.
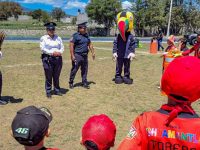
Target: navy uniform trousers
{"points": [[119, 65], [52, 69], [80, 61]]}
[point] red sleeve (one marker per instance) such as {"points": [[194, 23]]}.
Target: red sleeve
{"points": [[136, 137], [194, 48]]}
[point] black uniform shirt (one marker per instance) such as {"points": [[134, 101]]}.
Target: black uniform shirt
{"points": [[81, 42]]}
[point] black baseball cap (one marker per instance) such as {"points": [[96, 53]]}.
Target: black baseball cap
{"points": [[50, 25], [31, 124]]}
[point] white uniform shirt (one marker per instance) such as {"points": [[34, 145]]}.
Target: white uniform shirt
{"points": [[49, 45]]}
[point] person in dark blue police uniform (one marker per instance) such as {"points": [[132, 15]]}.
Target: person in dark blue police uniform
{"points": [[52, 48], [80, 45]]}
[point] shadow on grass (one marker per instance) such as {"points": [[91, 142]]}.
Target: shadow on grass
{"points": [[11, 99], [64, 91], [81, 84]]}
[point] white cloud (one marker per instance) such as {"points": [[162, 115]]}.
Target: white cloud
{"points": [[75, 4], [126, 5]]}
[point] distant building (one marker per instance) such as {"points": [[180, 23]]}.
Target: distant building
{"points": [[66, 19], [81, 17], [21, 18]]}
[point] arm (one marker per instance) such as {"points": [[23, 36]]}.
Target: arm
{"points": [[132, 45], [92, 50], [115, 49], [43, 47], [61, 46], [71, 47], [187, 52]]}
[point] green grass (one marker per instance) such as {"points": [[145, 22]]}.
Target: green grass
{"points": [[23, 77], [27, 24]]}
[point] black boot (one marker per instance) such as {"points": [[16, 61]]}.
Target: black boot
{"points": [[71, 85], [128, 80], [118, 80]]}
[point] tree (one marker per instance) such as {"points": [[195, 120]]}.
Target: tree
{"points": [[37, 14], [74, 19], [104, 12], [9, 9], [45, 17], [58, 13]]}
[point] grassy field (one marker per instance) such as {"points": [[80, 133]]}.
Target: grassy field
{"points": [[23, 84], [26, 24]]}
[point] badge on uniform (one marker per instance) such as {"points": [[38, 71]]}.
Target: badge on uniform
{"points": [[132, 133]]}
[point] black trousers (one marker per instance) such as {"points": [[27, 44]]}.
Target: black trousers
{"points": [[160, 45], [52, 69], [81, 61], [119, 65], [0, 83]]}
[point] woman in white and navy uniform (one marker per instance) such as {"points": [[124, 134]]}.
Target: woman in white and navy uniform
{"points": [[52, 48]]}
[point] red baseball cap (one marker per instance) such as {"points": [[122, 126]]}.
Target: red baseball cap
{"points": [[181, 79], [101, 130]]}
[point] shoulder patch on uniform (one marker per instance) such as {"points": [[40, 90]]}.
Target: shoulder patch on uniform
{"points": [[132, 133], [71, 39]]}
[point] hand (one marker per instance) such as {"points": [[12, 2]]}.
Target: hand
{"points": [[131, 56], [1, 55], [58, 54], [73, 58], [163, 54], [55, 53], [93, 56], [115, 56]]}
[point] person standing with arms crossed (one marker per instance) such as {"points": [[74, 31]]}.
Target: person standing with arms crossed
{"points": [[80, 44], [52, 48]]}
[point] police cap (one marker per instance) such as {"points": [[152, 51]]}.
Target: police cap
{"points": [[50, 25]]}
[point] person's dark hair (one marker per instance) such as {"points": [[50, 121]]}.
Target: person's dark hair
{"points": [[90, 145]]}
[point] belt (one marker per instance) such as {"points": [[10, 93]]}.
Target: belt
{"points": [[49, 56], [82, 54]]}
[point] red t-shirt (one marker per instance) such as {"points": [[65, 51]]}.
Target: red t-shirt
{"points": [[196, 50], [148, 132]]}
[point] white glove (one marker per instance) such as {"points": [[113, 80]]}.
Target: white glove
{"points": [[1, 54], [115, 56], [131, 56]]}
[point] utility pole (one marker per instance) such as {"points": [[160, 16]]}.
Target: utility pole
{"points": [[170, 14]]}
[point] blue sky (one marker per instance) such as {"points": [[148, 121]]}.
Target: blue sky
{"points": [[69, 6]]}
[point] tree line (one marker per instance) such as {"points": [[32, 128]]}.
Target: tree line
{"points": [[13, 9], [150, 15]]}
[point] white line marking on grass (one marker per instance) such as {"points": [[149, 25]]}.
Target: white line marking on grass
{"points": [[137, 52], [40, 64]]}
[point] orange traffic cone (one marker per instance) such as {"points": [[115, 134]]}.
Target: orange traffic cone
{"points": [[154, 46]]}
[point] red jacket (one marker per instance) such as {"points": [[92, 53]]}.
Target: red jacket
{"points": [[148, 132], [196, 50]]}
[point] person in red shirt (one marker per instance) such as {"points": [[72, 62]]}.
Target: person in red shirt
{"points": [[175, 126], [194, 49], [98, 133], [30, 127]]}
